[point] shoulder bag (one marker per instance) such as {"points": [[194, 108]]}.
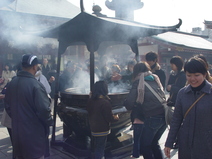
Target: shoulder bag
{"points": [[168, 110]]}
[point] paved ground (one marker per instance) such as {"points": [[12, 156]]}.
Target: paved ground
{"points": [[56, 152]]}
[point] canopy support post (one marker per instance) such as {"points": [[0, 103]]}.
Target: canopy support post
{"points": [[92, 70], [61, 50]]}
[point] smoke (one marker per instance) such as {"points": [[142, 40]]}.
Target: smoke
{"points": [[81, 80], [20, 41], [14, 28], [81, 83], [119, 88]]}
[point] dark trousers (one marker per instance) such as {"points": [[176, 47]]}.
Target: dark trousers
{"points": [[154, 128], [47, 151], [98, 146], [10, 133], [137, 132]]}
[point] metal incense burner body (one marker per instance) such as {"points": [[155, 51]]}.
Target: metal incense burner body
{"points": [[72, 111]]}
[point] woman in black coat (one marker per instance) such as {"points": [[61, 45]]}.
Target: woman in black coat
{"points": [[177, 79]]}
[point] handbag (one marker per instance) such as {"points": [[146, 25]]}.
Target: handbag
{"points": [[170, 102], [168, 110], [168, 113]]}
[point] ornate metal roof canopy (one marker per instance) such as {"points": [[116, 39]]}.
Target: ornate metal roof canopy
{"points": [[93, 30]]}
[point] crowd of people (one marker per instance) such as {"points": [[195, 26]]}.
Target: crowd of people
{"points": [[112, 73], [28, 94]]}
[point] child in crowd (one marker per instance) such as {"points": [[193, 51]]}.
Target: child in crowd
{"points": [[100, 116]]}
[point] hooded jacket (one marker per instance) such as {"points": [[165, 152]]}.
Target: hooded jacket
{"points": [[100, 116]]}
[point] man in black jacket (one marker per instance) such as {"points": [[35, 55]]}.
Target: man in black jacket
{"points": [[152, 60], [46, 68], [27, 103]]}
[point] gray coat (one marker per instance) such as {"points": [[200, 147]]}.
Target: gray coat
{"points": [[27, 104], [195, 132]]}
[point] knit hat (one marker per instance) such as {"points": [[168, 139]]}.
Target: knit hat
{"points": [[29, 60]]}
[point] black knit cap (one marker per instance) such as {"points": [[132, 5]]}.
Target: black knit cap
{"points": [[29, 60]]}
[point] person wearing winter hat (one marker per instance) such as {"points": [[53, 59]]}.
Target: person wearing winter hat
{"points": [[27, 103]]}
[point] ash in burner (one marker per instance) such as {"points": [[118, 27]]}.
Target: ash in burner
{"points": [[78, 90]]}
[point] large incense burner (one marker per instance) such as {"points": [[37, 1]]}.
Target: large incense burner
{"points": [[72, 111]]}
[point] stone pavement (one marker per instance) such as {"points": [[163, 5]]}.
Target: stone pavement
{"points": [[56, 151]]}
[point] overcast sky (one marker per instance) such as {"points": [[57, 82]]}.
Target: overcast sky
{"points": [[164, 12]]}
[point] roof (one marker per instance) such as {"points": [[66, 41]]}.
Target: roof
{"points": [[55, 8], [208, 24], [185, 40], [93, 30]]}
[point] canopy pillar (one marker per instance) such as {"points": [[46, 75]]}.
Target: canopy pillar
{"points": [[61, 50], [92, 66], [92, 47]]}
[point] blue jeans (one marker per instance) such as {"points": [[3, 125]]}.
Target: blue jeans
{"points": [[99, 146], [137, 132], [154, 128]]}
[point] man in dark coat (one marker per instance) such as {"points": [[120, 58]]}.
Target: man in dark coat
{"points": [[27, 103], [46, 68], [152, 60]]}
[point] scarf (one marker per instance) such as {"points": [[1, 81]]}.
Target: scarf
{"points": [[141, 86], [155, 67]]}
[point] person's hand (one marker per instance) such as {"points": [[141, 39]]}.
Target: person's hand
{"points": [[116, 116], [90, 94], [168, 87], [51, 79], [167, 152], [116, 77], [2, 96]]}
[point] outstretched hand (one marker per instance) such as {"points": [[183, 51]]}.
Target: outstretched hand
{"points": [[167, 152]]}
